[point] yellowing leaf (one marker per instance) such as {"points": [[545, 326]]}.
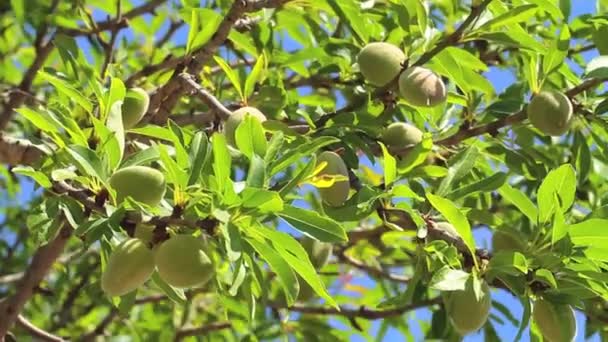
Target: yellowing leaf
{"points": [[325, 181]]}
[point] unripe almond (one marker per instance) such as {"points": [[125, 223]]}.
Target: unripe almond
{"points": [[401, 134], [556, 322], [380, 62], [337, 193], [466, 312], [550, 112], [318, 252], [144, 184], [134, 107], [129, 266], [236, 118], [504, 241], [182, 261], [422, 87]]}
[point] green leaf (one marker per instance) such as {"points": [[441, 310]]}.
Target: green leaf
{"points": [[116, 93], [390, 166], [221, 161], [199, 153], [210, 21], [311, 223], [264, 201], [349, 12], [466, 58], [243, 41], [556, 56], [297, 257], [250, 137], [174, 173], [559, 229], [194, 29], [421, 15], [114, 150], [447, 279], [255, 76], [304, 150], [598, 36], [175, 294], [513, 263], [561, 181], [584, 161], [513, 16], [299, 177], [550, 7], [279, 266], [87, 161], [417, 155], [464, 164], [519, 200], [546, 277], [525, 319], [154, 131], [180, 140], [455, 217], [513, 38], [38, 176], [590, 233], [402, 190], [274, 147], [232, 75], [597, 67], [256, 176], [491, 183], [66, 89], [126, 303], [45, 122]]}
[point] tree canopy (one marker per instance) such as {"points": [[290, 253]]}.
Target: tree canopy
{"points": [[302, 169]]}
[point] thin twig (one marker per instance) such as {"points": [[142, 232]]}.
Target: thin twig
{"points": [[109, 48], [200, 331], [167, 96], [493, 127], [580, 49], [117, 23], [36, 332], [372, 270], [456, 36], [205, 96], [362, 312]]}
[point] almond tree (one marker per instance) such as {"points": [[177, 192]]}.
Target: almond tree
{"points": [[237, 169]]}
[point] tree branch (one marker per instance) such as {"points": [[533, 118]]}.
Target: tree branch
{"points": [[493, 127], [167, 96], [205, 96], [37, 332], [42, 50], [113, 24], [200, 331], [39, 267], [452, 39], [362, 312], [455, 37], [372, 270]]}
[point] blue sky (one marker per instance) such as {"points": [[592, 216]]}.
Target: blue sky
{"points": [[500, 79]]}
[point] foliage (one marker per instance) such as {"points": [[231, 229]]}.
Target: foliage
{"points": [[412, 212]]}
